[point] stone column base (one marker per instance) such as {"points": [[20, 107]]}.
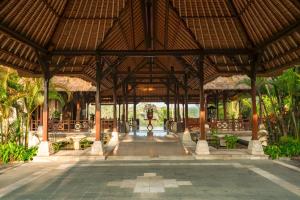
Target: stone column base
{"points": [[202, 147], [186, 139], [255, 148], [97, 148], [44, 149]]}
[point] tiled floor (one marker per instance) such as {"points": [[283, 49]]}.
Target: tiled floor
{"points": [[150, 146], [124, 180]]}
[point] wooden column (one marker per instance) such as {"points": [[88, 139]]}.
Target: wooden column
{"points": [[123, 103], [134, 103], [45, 105], [97, 100], [202, 98], [183, 116], [206, 105], [178, 103], [115, 125], [119, 110], [186, 107], [217, 106], [78, 108], [126, 102], [168, 100], [253, 99], [175, 103]]}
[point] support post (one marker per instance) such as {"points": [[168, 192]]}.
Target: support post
{"points": [[46, 107], [202, 145], [254, 147], [97, 145], [134, 103], [44, 146], [168, 100], [167, 125], [186, 108], [126, 103], [123, 103], [78, 108], [175, 103], [119, 110], [134, 110], [115, 101]]}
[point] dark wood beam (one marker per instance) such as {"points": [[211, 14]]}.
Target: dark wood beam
{"points": [[131, 73], [243, 27], [145, 16], [149, 53], [148, 73], [110, 68], [21, 38], [279, 35], [166, 32], [132, 24], [115, 23]]}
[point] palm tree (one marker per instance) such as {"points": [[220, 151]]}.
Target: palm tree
{"points": [[10, 93], [35, 98]]}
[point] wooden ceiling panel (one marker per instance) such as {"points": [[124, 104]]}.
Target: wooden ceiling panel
{"points": [[81, 30]]}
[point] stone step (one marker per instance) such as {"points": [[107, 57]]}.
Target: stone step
{"points": [[55, 158]]}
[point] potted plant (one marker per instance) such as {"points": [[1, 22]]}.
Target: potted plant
{"points": [[149, 109]]}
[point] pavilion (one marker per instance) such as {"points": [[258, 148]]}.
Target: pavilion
{"points": [[171, 46]]}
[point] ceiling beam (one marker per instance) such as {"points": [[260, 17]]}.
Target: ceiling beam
{"points": [[279, 35], [132, 25], [21, 38], [147, 33], [243, 27], [149, 73], [149, 53], [166, 32]]}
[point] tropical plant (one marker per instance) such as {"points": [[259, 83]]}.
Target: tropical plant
{"points": [[231, 141], [22, 96], [286, 147], [10, 94], [279, 103], [12, 152]]}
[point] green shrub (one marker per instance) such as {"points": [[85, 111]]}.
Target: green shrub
{"points": [[12, 152], [286, 147], [85, 143], [273, 151], [231, 141]]}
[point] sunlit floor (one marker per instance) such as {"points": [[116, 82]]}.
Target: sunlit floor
{"points": [[143, 132], [140, 144], [168, 180]]}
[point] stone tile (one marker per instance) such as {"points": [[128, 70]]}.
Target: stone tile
{"points": [[141, 189], [170, 183]]}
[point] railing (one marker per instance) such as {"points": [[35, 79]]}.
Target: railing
{"points": [[225, 124], [71, 125]]}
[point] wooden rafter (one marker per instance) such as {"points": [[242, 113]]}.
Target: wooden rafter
{"points": [[243, 28], [166, 32], [132, 25], [21, 38], [156, 52], [283, 33]]}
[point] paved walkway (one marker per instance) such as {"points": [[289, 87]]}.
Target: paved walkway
{"points": [[152, 180], [152, 147]]}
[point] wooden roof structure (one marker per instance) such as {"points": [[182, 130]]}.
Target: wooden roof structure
{"points": [[150, 42]]}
